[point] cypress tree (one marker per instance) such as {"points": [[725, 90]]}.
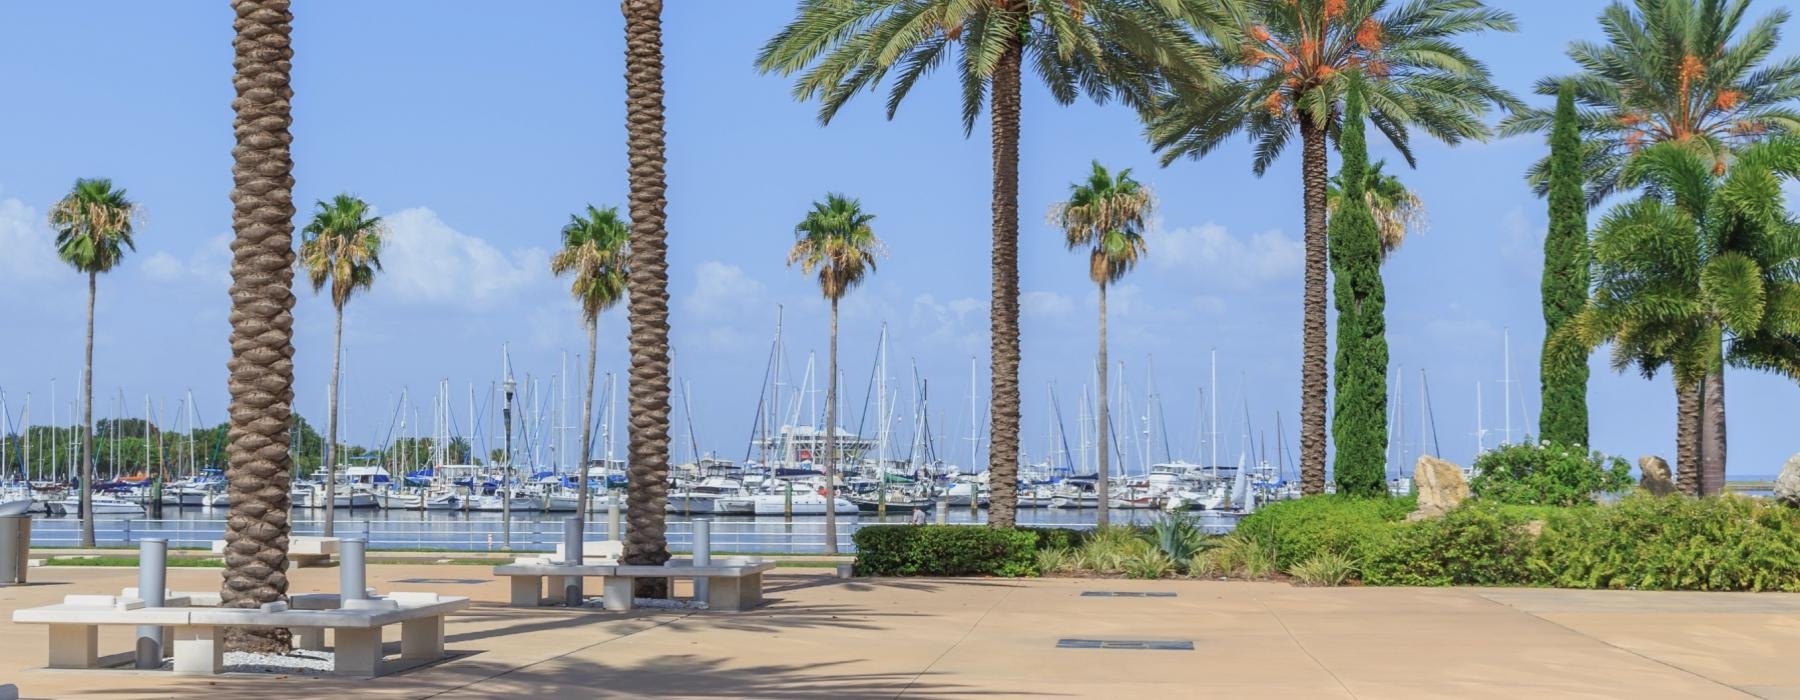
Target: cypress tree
{"points": [[1359, 419], [1564, 374]]}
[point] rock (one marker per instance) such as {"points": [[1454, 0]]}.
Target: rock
{"points": [[1441, 487], [1787, 486], [1656, 476]]}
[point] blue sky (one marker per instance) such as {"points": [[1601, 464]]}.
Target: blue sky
{"points": [[476, 128]]}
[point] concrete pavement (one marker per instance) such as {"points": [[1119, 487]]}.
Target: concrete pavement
{"points": [[942, 638]]}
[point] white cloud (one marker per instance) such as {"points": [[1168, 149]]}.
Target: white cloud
{"points": [[1047, 304], [27, 248], [724, 292], [163, 267], [425, 261], [1216, 258], [210, 264], [959, 324]]}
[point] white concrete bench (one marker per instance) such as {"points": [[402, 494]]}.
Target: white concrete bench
{"points": [[198, 643], [735, 583], [303, 551], [527, 575]]}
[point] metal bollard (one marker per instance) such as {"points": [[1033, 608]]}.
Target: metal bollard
{"points": [[943, 511], [574, 530], [153, 582], [612, 515], [702, 556], [352, 576]]}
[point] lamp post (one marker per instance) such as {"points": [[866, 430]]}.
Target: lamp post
{"points": [[507, 472]]}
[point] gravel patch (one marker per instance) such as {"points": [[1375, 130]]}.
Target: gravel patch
{"points": [[297, 662], [655, 603]]}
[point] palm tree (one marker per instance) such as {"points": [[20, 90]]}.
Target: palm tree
{"points": [[1669, 72], [261, 380], [340, 247], [647, 289], [594, 250], [1700, 275], [1106, 215], [1122, 49], [1294, 55], [1397, 210], [93, 231], [836, 242]]}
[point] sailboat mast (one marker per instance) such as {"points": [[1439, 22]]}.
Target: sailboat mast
{"points": [[1213, 413]]}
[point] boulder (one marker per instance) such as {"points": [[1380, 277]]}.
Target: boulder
{"points": [[1441, 486], [1656, 476], [1787, 486]]}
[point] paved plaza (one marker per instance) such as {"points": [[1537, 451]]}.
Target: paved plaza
{"points": [[821, 637]]}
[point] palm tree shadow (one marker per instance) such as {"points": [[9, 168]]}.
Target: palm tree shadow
{"points": [[688, 675]]}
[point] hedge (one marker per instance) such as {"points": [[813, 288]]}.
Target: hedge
{"points": [[1725, 543], [945, 550]]}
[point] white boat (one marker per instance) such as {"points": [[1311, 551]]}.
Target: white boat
{"points": [[186, 496], [805, 503], [521, 503], [104, 504]]}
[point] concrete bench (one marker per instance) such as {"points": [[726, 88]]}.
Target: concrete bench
{"points": [[198, 642], [527, 575], [734, 583], [303, 551]]}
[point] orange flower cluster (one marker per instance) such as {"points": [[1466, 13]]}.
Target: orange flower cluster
{"points": [[1728, 99], [1368, 35], [1333, 8], [1634, 140], [1259, 33], [1273, 104], [1629, 119], [1325, 72], [1691, 68]]}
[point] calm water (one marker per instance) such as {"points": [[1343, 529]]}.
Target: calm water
{"points": [[478, 532]]}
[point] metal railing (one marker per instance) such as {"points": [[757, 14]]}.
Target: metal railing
{"points": [[540, 535]]}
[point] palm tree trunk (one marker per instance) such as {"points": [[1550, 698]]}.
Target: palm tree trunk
{"points": [[1003, 450], [1712, 433], [647, 284], [331, 415], [87, 422], [1101, 484], [261, 368], [1687, 438], [831, 440], [587, 422], [1312, 361]]}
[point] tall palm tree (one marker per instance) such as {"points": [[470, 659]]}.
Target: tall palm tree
{"points": [[836, 242], [1293, 56], [93, 231], [594, 250], [647, 285], [340, 247], [1398, 211], [1702, 274], [1105, 214], [1670, 72], [1122, 49], [261, 381]]}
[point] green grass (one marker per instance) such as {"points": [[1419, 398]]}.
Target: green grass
{"points": [[174, 562]]}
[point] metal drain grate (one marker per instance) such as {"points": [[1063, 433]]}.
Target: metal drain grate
{"points": [[444, 581], [1127, 594], [1150, 644]]}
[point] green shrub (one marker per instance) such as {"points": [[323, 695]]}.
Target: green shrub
{"points": [[1300, 529], [1547, 474], [1177, 536], [1056, 537], [1054, 560], [1725, 543], [1148, 564], [1476, 543], [944, 550], [1325, 569]]}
